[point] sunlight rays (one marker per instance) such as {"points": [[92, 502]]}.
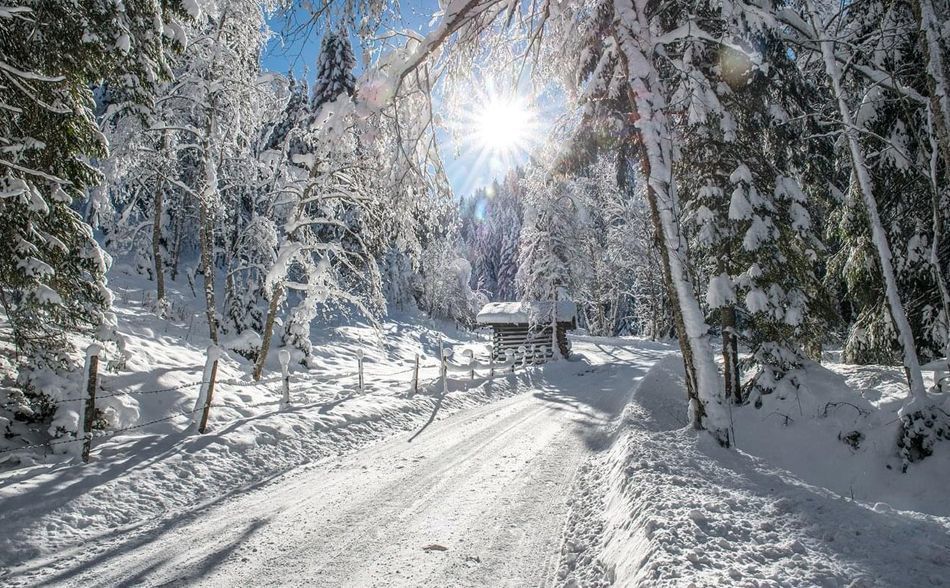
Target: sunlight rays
{"points": [[496, 131], [504, 125]]}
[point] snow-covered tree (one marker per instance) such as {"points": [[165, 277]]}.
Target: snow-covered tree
{"points": [[295, 113], [335, 65], [443, 285], [52, 271], [193, 150], [553, 257], [892, 153], [752, 235], [325, 256], [493, 238]]}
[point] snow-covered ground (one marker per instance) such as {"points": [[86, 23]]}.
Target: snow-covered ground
{"points": [[49, 501], [793, 506], [578, 473], [489, 484]]}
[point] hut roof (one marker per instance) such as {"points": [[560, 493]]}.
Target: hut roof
{"points": [[513, 313]]}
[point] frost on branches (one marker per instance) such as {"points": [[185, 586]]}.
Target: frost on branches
{"points": [[52, 271]]}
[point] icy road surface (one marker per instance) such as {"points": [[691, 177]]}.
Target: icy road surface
{"points": [[478, 498]]}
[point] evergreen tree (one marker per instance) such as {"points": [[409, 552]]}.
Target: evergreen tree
{"points": [[334, 70], [296, 111], [553, 264], [494, 237], [327, 254], [899, 158], [52, 271], [752, 232]]}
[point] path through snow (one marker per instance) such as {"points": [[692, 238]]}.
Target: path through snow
{"points": [[489, 484]]}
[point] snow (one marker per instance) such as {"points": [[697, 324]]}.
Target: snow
{"points": [[584, 473], [739, 207], [246, 343], [46, 295], [756, 301], [742, 173], [721, 291], [290, 497], [524, 312], [792, 506]]}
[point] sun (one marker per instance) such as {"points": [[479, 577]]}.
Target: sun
{"points": [[504, 126], [494, 130]]}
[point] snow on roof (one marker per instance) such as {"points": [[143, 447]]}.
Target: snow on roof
{"points": [[524, 312]]}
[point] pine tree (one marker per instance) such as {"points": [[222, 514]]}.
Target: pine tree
{"points": [[325, 256], [334, 70], [875, 165], [752, 234], [52, 271], [296, 111], [494, 237]]}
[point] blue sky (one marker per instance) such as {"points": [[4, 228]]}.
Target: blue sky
{"points": [[297, 52]]}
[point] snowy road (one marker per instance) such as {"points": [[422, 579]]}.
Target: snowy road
{"points": [[490, 485]]}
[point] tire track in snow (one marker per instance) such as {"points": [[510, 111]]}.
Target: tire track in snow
{"points": [[490, 483]]}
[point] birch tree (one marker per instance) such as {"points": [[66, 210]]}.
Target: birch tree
{"points": [[917, 441]]}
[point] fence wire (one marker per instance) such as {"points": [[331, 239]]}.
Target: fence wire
{"points": [[300, 377], [95, 435]]}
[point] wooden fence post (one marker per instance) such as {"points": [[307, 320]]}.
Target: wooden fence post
{"points": [[284, 357], [207, 386], [91, 371], [415, 377], [359, 361], [445, 370], [471, 362]]}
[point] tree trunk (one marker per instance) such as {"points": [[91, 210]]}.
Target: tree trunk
{"points": [[702, 377], [691, 391], [278, 289], [206, 240], [879, 237], [555, 348], [941, 274], [176, 242], [157, 237], [940, 132], [647, 95], [157, 250], [730, 353], [272, 307], [937, 85]]}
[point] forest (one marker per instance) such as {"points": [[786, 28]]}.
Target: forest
{"points": [[757, 189], [768, 176]]}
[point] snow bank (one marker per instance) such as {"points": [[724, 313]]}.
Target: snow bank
{"points": [[666, 506]]}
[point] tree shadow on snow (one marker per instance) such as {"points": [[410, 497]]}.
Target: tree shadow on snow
{"points": [[844, 536], [435, 410], [838, 540], [595, 395], [202, 567], [127, 541], [69, 480]]}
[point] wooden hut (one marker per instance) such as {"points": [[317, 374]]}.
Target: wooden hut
{"points": [[526, 324]]}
